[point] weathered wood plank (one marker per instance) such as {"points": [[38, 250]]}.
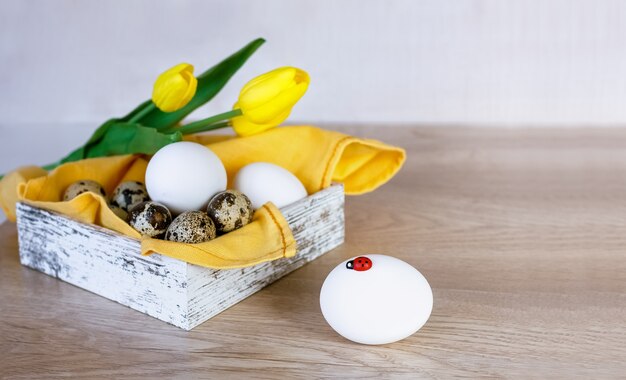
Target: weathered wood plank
{"points": [[110, 264]]}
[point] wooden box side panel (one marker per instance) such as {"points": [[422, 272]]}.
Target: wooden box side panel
{"points": [[103, 262], [110, 264], [317, 223]]}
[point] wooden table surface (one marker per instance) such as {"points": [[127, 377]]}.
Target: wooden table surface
{"points": [[520, 232]]}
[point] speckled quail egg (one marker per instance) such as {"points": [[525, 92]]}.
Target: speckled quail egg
{"points": [[191, 227], [230, 210], [120, 212], [83, 186], [150, 218], [129, 194]]}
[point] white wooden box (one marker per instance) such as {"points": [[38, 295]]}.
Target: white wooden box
{"points": [[185, 295]]}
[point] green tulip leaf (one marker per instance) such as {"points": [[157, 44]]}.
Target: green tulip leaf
{"points": [[209, 84], [81, 152], [131, 138]]}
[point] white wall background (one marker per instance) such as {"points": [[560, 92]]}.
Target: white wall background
{"points": [[460, 61], [65, 66]]}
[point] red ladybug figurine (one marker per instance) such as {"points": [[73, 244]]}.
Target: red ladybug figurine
{"points": [[359, 264]]}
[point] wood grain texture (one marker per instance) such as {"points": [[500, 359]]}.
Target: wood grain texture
{"points": [[520, 232], [185, 295]]}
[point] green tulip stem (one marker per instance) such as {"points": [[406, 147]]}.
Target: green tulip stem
{"points": [[207, 124], [206, 128], [146, 110]]}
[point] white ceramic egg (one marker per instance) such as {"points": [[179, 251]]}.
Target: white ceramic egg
{"points": [[184, 176], [263, 182], [376, 299]]}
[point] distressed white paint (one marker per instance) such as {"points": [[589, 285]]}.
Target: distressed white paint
{"points": [[185, 295]]}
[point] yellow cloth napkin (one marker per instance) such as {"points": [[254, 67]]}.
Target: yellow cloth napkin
{"points": [[316, 156]]}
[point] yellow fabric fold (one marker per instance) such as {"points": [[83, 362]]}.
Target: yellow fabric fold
{"points": [[267, 238], [316, 156], [47, 191], [9, 187]]}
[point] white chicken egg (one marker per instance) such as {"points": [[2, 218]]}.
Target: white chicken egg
{"points": [[375, 299], [263, 182], [184, 176]]}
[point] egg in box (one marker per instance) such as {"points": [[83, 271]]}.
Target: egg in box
{"points": [[264, 182], [150, 218], [191, 227], [186, 182], [128, 194], [184, 176], [230, 209], [79, 187]]}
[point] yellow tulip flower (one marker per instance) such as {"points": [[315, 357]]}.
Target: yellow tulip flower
{"points": [[244, 127], [267, 100], [174, 88], [264, 102]]}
